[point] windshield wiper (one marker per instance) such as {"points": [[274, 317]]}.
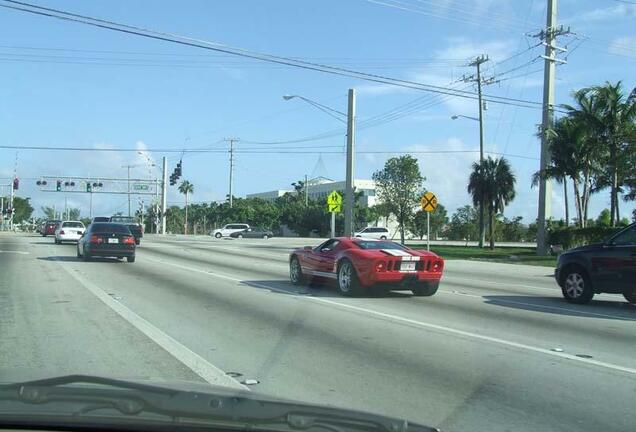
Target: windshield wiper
{"points": [[82, 396]]}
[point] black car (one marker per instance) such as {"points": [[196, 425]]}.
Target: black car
{"points": [[100, 219], [253, 233], [135, 227], [103, 239], [608, 267]]}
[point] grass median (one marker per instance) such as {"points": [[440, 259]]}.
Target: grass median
{"points": [[509, 255]]}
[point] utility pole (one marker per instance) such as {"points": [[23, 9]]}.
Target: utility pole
{"points": [[156, 221], [548, 36], [231, 140], [349, 198], [477, 63], [128, 166], [11, 204], [65, 208], [141, 209], [306, 192], [164, 193]]}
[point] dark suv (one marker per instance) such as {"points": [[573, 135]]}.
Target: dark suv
{"points": [[608, 267]]}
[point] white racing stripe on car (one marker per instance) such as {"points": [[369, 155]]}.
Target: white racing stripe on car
{"points": [[406, 256]]}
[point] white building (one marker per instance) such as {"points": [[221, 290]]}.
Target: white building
{"points": [[319, 188]]}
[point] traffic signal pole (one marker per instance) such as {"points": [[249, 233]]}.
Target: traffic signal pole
{"points": [[164, 193]]}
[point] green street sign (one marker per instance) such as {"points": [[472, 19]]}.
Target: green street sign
{"points": [[140, 187]]}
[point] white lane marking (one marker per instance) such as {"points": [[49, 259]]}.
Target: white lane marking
{"points": [[534, 305], [423, 324], [446, 276], [15, 252], [189, 358]]}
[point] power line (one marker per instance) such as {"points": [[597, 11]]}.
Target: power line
{"points": [[213, 46], [455, 16], [291, 150]]}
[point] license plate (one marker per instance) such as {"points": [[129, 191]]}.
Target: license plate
{"points": [[113, 240], [407, 266]]}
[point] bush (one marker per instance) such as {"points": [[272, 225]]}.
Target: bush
{"points": [[574, 237]]}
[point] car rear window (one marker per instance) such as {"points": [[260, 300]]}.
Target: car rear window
{"points": [[110, 228], [122, 219], [368, 244], [73, 225]]}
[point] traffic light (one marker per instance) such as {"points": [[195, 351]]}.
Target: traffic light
{"points": [[58, 186], [175, 174], [89, 187], [16, 183]]}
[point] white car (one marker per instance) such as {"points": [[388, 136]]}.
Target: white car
{"points": [[378, 233], [229, 229], [69, 231]]}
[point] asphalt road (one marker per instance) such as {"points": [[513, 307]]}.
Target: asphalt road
{"points": [[496, 349]]}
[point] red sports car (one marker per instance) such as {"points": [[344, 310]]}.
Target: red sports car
{"points": [[358, 263]]}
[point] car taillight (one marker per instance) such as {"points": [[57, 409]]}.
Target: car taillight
{"points": [[61, 232], [129, 240], [380, 266], [437, 266], [96, 240]]}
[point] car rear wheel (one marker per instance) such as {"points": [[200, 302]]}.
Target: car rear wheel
{"points": [[218, 235], [425, 289], [86, 257], [130, 259], [296, 272], [576, 286], [265, 236], [239, 236], [78, 253], [383, 238], [348, 283]]}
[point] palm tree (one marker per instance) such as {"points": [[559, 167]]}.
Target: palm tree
{"points": [[609, 117], [186, 188], [495, 182], [571, 156]]}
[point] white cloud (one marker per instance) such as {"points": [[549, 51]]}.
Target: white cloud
{"points": [[447, 174], [603, 14], [463, 48], [625, 45]]}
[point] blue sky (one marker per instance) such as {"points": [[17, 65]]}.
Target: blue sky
{"points": [[66, 84]]}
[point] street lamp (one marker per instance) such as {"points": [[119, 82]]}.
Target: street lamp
{"points": [[324, 108], [456, 116], [482, 229], [349, 168]]}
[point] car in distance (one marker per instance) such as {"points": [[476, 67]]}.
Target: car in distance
{"points": [[229, 229], [373, 232], [253, 233], [50, 226], [100, 219], [106, 239], [69, 231], [607, 267], [135, 227], [357, 264]]}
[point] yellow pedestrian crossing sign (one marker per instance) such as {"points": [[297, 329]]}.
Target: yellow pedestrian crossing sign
{"points": [[334, 202], [429, 202]]}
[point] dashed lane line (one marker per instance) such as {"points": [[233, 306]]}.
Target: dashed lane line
{"points": [[417, 323], [189, 358]]}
